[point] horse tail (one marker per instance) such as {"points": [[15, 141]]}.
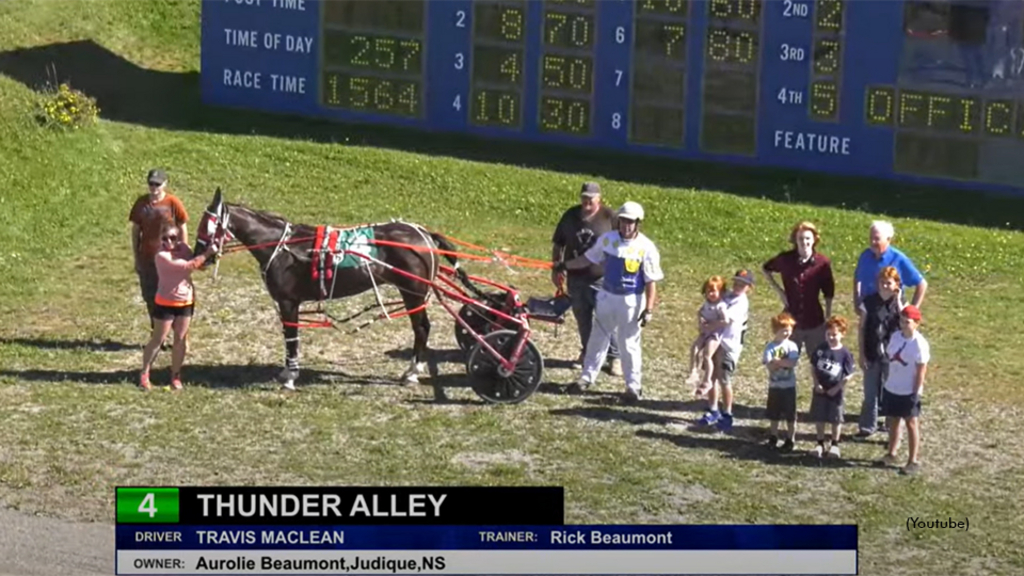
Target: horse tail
{"points": [[449, 249], [444, 244]]}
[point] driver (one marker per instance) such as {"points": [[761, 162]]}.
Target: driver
{"points": [[625, 302]]}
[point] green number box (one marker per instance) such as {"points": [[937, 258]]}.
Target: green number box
{"points": [[147, 505]]}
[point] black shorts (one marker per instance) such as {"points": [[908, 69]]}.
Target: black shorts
{"points": [[901, 405], [172, 312], [827, 409], [781, 404]]}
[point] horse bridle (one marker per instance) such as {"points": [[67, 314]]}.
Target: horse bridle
{"points": [[221, 233]]}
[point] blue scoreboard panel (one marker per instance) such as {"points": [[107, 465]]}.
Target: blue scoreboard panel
{"points": [[931, 92]]}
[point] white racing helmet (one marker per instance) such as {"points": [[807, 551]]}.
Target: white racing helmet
{"points": [[631, 211]]}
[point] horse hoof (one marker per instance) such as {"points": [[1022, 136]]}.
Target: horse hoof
{"points": [[289, 386], [288, 377], [410, 379]]}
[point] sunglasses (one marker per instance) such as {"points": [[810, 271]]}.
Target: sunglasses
{"points": [[170, 238], [155, 184]]}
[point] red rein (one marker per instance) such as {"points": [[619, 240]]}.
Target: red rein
{"points": [[458, 293]]}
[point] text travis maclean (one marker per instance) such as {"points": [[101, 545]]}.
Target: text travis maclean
{"points": [[919, 523]]}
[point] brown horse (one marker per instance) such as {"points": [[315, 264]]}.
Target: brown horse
{"points": [[284, 253]]}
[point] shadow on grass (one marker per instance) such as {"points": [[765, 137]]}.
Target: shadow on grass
{"points": [[208, 376], [53, 344], [738, 447], [129, 93], [743, 443]]}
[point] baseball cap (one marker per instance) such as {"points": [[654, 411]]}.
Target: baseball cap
{"points": [[156, 176], [745, 276], [590, 189], [912, 312]]}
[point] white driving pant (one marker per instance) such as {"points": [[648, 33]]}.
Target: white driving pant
{"points": [[619, 315]]}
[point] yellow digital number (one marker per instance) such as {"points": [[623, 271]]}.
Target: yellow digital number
{"points": [[553, 118], [507, 109], [512, 24], [830, 14], [746, 9], [580, 31], [481, 99], [412, 48], [384, 47], [576, 117], [673, 34], [718, 44], [382, 96], [364, 46], [554, 74], [510, 66], [579, 74], [360, 87], [407, 96], [555, 22], [667, 5], [823, 99], [738, 47], [332, 97], [826, 57]]}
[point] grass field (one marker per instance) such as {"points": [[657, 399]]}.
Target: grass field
{"points": [[71, 322]]}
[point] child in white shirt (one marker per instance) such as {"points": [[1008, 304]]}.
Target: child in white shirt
{"points": [[908, 353], [704, 346]]}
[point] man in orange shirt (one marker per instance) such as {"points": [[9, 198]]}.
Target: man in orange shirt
{"points": [[149, 215]]}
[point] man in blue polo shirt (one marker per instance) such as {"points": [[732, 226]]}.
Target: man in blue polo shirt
{"points": [[878, 256]]}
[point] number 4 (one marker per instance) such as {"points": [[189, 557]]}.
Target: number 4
{"points": [[457, 103], [148, 505]]}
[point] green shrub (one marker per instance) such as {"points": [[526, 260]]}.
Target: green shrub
{"points": [[67, 109]]}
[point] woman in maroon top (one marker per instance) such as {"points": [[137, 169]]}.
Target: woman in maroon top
{"points": [[806, 274]]}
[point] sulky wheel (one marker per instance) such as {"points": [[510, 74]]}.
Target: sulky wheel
{"points": [[489, 379], [474, 317]]}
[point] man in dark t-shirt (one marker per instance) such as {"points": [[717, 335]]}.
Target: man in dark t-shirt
{"points": [[577, 231]]}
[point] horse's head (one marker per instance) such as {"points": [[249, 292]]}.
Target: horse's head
{"points": [[213, 227]]}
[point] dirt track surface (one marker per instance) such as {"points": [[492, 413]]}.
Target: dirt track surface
{"points": [[31, 545]]}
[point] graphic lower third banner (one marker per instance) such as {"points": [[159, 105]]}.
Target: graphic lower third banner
{"points": [[484, 550]]}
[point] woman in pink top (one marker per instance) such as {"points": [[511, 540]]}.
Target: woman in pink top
{"points": [[174, 302]]}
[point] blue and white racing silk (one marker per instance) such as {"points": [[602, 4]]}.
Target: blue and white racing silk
{"points": [[629, 265]]}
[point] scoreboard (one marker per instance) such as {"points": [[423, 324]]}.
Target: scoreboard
{"points": [[911, 90]]}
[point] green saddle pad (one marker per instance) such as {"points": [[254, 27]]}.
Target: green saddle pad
{"points": [[356, 240]]}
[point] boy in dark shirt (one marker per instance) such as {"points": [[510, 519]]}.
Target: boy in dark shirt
{"points": [[879, 320], [831, 367]]}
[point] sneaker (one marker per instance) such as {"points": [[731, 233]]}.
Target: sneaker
{"points": [[772, 443], [788, 446], [578, 362], [176, 383], [862, 434], [578, 387], [615, 367], [711, 417], [888, 460], [833, 451], [910, 469], [144, 382], [725, 423], [818, 451], [633, 395]]}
